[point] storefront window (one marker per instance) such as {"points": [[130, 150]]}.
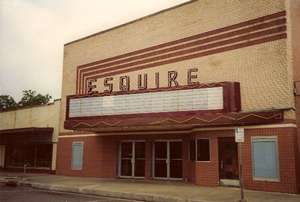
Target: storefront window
{"points": [[43, 155], [203, 149], [265, 158], [77, 155], [31, 155]]}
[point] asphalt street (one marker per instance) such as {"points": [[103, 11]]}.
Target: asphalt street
{"points": [[27, 194]]}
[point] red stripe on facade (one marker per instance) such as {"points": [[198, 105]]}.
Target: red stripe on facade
{"points": [[182, 46], [183, 52], [191, 50], [81, 82], [196, 55], [235, 26], [190, 44]]}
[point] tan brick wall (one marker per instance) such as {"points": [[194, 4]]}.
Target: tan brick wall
{"points": [[262, 69], [39, 116], [294, 31], [294, 56]]}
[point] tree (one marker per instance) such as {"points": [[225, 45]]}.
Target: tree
{"points": [[7, 102], [30, 98]]}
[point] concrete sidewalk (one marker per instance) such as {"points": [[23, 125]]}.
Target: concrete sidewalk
{"points": [[154, 191]]}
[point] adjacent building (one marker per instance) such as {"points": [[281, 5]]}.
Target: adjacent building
{"points": [[28, 138], [160, 98]]}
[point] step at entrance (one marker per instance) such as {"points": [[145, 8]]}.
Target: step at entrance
{"points": [[229, 183]]}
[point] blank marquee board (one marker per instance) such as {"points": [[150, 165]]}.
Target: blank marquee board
{"points": [[150, 102]]}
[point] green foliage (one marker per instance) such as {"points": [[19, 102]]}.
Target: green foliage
{"points": [[7, 102], [31, 98]]}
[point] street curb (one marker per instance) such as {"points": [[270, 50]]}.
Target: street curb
{"points": [[109, 194]]}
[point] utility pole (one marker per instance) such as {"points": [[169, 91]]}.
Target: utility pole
{"points": [[240, 138]]}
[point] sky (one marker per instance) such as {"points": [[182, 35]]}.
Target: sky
{"points": [[33, 33]]}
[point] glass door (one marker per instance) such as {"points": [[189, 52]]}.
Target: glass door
{"points": [[139, 159], [132, 159], [168, 159], [175, 159], [126, 159], [161, 159]]}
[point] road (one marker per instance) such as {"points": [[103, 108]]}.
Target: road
{"points": [[24, 194]]}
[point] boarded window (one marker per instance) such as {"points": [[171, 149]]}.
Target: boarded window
{"points": [[265, 158], [77, 155], [203, 150]]}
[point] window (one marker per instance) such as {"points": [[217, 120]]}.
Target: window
{"points": [[192, 150], [265, 158], [77, 155], [203, 150]]}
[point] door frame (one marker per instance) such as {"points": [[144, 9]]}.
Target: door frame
{"points": [[168, 159], [2, 155], [219, 156], [132, 159]]}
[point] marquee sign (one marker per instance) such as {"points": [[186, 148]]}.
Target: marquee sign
{"points": [[212, 104], [148, 102], [218, 97]]}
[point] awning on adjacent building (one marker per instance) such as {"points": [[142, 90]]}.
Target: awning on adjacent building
{"points": [[26, 135]]}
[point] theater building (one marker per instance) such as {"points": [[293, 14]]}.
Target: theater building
{"points": [[28, 138], [160, 98]]}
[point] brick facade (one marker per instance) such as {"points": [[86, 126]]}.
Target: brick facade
{"points": [[101, 157], [207, 173], [287, 151]]}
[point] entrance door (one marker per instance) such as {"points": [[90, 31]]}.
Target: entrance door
{"points": [[168, 159], [132, 159], [228, 158], [175, 153]]}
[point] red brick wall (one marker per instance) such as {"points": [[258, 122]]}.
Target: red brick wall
{"points": [[207, 173], [297, 105], [99, 157], [287, 151]]}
